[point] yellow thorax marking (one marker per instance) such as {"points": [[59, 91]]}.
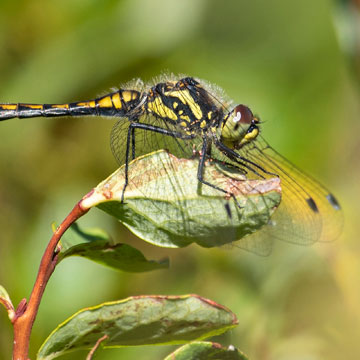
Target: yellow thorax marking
{"points": [[170, 85], [185, 97], [158, 107], [203, 124], [185, 117]]}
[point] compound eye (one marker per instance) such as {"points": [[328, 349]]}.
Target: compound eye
{"points": [[243, 115]]}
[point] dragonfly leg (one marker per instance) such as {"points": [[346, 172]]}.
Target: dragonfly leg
{"points": [[242, 161], [203, 155], [133, 143], [131, 140]]}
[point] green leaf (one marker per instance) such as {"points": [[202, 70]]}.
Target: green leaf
{"points": [[6, 302], [96, 245], [202, 350], [167, 206], [142, 320], [75, 235]]}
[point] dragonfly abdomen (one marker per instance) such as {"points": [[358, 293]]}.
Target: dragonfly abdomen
{"points": [[119, 103]]}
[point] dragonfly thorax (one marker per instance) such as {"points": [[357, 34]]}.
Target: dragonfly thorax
{"points": [[239, 127], [185, 103]]}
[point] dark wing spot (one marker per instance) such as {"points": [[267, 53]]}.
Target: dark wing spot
{"points": [[228, 210], [333, 202], [312, 204]]}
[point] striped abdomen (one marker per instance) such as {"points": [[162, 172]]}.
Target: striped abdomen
{"points": [[118, 103]]}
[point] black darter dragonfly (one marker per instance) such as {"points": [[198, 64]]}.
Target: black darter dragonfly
{"points": [[186, 116]]}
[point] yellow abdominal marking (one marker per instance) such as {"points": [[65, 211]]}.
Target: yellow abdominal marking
{"points": [[9, 106], [116, 101], [105, 102], [87, 104], [60, 106], [33, 106], [127, 95]]}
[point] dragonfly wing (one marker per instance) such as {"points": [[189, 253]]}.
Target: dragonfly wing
{"points": [[308, 211], [259, 243]]}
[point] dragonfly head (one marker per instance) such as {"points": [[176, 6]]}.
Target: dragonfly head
{"points": [[239, 127]]}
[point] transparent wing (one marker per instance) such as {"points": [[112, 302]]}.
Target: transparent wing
{"points": [[308, 211], [146, 141]]}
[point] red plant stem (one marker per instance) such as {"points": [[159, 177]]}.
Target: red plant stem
{"points": [[26, 314]]}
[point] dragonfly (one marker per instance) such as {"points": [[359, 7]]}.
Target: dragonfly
{"points": [[186, 116]]}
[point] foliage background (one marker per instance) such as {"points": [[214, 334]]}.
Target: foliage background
{"points": [[295, 62]]}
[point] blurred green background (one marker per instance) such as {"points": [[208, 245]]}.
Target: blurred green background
{"points": [[296, 63]]}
